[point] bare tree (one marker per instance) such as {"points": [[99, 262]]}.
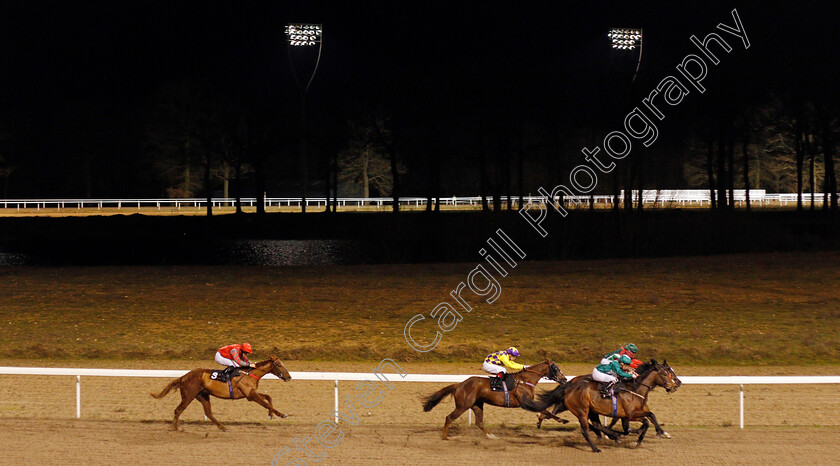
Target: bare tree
{"points": [[365, 159]]}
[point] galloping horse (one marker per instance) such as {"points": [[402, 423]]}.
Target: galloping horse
{"points": [[582, 398], [475, 391], [196, 384], [660, 432]]}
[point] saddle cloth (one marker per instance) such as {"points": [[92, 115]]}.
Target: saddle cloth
{"points": [[219, 376], [496, 383]]}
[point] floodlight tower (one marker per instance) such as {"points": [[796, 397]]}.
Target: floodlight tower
{"points": [[304, 36], [627, 39]]}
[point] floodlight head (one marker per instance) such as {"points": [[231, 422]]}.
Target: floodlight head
{"points": [[304, 35], [624, 38]]}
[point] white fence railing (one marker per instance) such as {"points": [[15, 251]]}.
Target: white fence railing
{"points": [[662, 197], [363, 376]]}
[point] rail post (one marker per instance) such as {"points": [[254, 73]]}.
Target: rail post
{"points": [[336, 402], [78, 396], [741, 396]]}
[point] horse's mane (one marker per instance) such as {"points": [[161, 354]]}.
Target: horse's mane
{"points": [[643, 370], [646, 367], [547, 362]]}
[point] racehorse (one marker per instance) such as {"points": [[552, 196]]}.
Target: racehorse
{"points": [[475, 391], [197, 384], [660, 432], [582, 398]]}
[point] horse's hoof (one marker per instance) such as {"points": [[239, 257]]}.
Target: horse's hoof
{"points": [[664, 435], [492, 437], [596, 450], [284, 416], [637, 444]]}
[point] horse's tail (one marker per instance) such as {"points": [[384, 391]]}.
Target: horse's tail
{"points": [[167, 389], [545, 399], [432, 400]]}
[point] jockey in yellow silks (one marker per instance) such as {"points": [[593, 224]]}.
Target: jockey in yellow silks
{"points": [[499, 362]]}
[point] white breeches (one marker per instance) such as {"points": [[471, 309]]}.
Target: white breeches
{"points": [[492, 368], [599, 376], [225, 361]]}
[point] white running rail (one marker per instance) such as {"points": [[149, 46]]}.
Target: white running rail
{"points": [[662, 197], [364, 376]]}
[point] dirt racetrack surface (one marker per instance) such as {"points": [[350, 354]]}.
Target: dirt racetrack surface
{"points": [[795, 424], [31, 441]]}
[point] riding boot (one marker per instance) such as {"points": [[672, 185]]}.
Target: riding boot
{"points": [[606, 389], [228, 370]]}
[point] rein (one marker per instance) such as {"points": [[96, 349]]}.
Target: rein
{"points": [[273, 365], [632, 392], [658, 370], [528, 369]]}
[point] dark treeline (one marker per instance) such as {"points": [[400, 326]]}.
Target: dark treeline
{"points": [[493, 102], [411, 238]]}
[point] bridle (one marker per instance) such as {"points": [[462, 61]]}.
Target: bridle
{"points": [[666, 378], [274, 366], [553, 372]]}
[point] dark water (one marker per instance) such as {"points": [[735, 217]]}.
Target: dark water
{"points": [[272, 252]]}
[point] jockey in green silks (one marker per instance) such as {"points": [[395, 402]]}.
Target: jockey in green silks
{"points": [[608, 373]]}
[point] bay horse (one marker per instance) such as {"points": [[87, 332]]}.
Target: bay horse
{"points": [[197, 384], [583, 399], [660, 432], [475, 391]]}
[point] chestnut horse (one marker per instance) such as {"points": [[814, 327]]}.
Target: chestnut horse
{"points": [[582, 398], [196, 384], [475, 391]]}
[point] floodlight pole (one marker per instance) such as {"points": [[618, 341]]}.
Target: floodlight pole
{"points": [[641, 47], [303, 93], [628, 38]]}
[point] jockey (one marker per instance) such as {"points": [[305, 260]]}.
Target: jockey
{"points": [[608, 373], [498, 362], [630, 350], [234, 356]]}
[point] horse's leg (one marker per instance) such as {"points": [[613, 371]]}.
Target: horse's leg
{"points": [[643, 431], [584, 429], [598, 428], [460, 407], [186, 399], [259, 398], [271, 403], [660, 432], [625, 424], [478, 409], [205, 403], [594, 421]]}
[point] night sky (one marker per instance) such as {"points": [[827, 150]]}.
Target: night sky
{"points": [[434, 65]]}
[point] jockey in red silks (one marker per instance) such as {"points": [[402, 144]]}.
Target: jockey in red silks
{"points": [[630, 350], [234, 356]]}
